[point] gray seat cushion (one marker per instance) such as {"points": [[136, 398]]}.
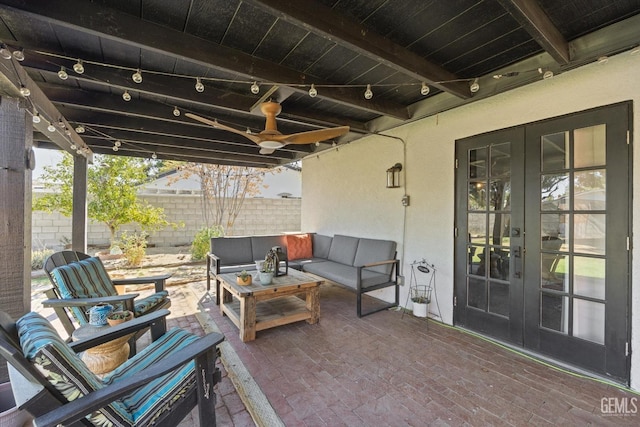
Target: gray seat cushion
{"points": [[232, 250], [344, 274], [260, 245], [343, 249], [374, 250], [321, 245]]}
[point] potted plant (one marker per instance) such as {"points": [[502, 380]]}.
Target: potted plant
{"points": [[268, 268], [117, 317], [420, 297], [243, 278]]}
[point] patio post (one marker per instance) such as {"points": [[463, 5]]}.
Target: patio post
{"points": [[16, 158]]}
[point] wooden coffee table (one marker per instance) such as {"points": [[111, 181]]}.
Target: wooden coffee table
{"points": [[257, 307]]}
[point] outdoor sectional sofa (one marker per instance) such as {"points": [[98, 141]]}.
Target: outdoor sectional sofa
{"points": [[359, 264]]}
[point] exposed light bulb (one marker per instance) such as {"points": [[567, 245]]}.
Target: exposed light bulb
{"points": [[51, 127], [424, 89], [137, 76], [115, 148], [255, 89], [61, 123], [36, 118], [78, 67], [18, 54], [475, 86], [117, 143], [126, 96], [603, 60], [313, 92], [73, 146], [24, 91], [199, 85], [63, 74], [176, 112], [368, 94], [80, 129], [4, 52], [547, 74], [154, 156], [67, 132]]}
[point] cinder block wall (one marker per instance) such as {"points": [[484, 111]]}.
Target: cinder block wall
{"points": [[258, 216]]}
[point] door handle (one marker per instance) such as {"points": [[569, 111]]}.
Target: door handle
{"points": [[516, 251]]}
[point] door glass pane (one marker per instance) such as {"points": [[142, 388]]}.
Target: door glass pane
{"points": [[554, 269], [478, 163], [590, 146], [553, 230], [589, 233], [554, 192], [554, 312], [477, 196], [501, 159], [500, 197], [499, 298], [474, 259], [476, 293], [589, 190], [555, 151], [477, 226], [588, 277], [499, 227], [588, 320]]}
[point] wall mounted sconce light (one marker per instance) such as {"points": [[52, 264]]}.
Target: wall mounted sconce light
{"points": [[393, 176]]}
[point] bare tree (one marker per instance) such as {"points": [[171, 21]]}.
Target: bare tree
{"points": [[224, 189]]}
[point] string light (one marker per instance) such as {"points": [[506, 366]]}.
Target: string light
{"points": [[18, 55], [36, 118], [475, 86], [115, 148], [117, 143], [368, 94], [80, 129], [78, 67], [255, 89], [51, 127], [137, 76], [603, 60], [424, 89], [73, 146], [126, 96], [63, 74], [199, 85], [61, 123], [547, 74], [67, 131], [154, 156], [176, 112], [24, 91], [313, 92], [4, 52]]}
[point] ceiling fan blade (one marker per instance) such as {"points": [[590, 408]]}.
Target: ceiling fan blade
{"points": [[217, 125], [313, 135]]}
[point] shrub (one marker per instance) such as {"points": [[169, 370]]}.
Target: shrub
{"points": [[38, 257], [134, 246], [200, 245]]}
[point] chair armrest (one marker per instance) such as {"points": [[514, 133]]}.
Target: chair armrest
{"points": [[373, 264], [86, 302], [79, 408], [213, 262], [158, 281], [120, 330]]}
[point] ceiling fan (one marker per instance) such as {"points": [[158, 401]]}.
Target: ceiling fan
{"points": [[270, 139]]}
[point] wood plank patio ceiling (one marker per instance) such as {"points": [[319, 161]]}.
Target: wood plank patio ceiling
{"points": [[340, 46]]}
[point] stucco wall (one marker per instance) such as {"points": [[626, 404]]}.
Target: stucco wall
{"points": [[258, 216], [344, 190]]}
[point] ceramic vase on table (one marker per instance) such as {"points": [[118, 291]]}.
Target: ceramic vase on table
{"points": [[265, 278]]}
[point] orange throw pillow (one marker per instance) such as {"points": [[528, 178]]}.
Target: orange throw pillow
{"points": [[299, 246]]}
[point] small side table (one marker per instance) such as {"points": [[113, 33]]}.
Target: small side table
{"points": [[106, 357]]}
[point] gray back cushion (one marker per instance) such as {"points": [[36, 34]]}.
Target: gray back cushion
{"points": [[343, 249], [321, 245], [261, 245], [232, 250], [374, 250]]}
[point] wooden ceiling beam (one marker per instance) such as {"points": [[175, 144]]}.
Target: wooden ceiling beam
{"points": [[535, 21], [324, 21], [94, 19]]}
